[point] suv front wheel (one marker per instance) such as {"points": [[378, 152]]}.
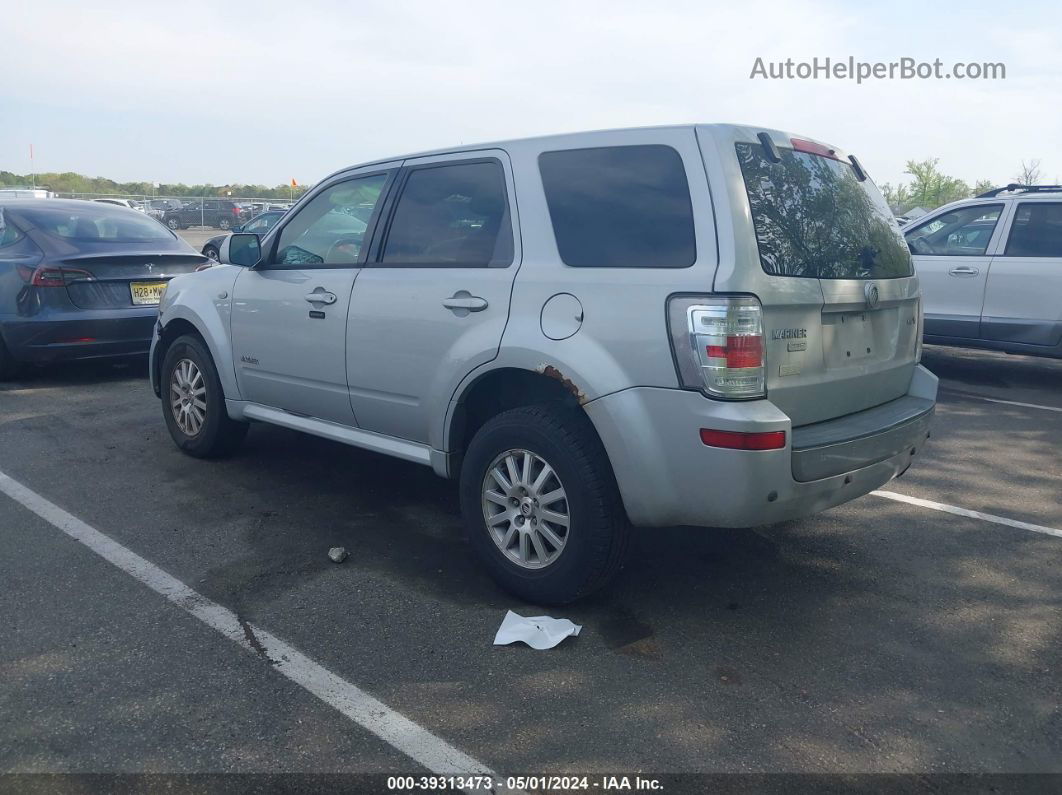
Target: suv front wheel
{"points": [[541, 505], [193, 402]]}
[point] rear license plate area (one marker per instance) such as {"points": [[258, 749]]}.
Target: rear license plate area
{"points": [[853, 338], [146, 293]]}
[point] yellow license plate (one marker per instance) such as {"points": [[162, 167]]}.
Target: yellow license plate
{"points": [[147, 293]]}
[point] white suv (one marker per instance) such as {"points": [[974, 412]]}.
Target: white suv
{"points": [[702, 325], [991, 270]]}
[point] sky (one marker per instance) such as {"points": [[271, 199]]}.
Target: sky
{"points": [[264, 92]]}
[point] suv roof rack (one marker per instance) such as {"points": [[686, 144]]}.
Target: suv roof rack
{"points": [[1014, 186]]}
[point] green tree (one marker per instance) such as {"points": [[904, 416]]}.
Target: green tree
{"points": [[931, 187], [69, 183], [898, 197]]}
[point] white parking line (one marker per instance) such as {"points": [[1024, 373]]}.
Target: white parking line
{"points": [[395, 729], [1023, 405], [988, 517], [1005, 402]]}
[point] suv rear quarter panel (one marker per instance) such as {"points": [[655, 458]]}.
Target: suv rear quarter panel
{"points": [[622, 341]]}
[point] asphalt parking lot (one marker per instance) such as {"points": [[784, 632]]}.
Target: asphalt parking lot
{"points": [[198, 236], [880, 636]]}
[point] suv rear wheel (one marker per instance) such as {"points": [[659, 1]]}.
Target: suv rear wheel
{"points": [[541, 505], [173, 223], [193, 403]]}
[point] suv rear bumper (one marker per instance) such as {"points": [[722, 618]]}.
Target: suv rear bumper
{"points": [[667, 476]]}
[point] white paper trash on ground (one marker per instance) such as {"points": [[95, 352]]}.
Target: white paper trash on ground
{"points": [[539, 632]]}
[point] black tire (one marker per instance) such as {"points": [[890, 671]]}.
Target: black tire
{"points": [[210, 251], [224, 223], [219, 435], [598, 535], [8, 366], [173, 223]]}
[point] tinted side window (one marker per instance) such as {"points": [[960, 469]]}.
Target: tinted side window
{"points": [[452, 215], [1036, 231], [620, 207], [330, 229], [961, 233]]}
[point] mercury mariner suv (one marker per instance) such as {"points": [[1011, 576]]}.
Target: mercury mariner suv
{"points": [[712, 325]]}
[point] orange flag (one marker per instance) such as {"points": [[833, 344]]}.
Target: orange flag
{"points": [[294, 184]]}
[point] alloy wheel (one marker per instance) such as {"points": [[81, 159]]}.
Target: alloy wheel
{"points": [[525, 508], [188, 397]]}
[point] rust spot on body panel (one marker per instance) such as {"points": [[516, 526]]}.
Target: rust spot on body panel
{"points": [[550, 371]]}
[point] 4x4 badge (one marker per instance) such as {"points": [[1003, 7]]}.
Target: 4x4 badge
{"points": [[870, 290]]}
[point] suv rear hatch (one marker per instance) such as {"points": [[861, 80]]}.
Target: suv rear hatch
{"points": [[816, 243]]}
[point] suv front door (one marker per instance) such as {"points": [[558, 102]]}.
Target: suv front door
{"points": [[1022, 298], [950, 253], [289, 313], [433, 302]]}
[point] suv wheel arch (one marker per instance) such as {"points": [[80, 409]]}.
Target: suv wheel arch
{"points": [[500, 390], [171, 331]]}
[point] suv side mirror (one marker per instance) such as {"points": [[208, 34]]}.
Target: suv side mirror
{"points": [[241, 248]]}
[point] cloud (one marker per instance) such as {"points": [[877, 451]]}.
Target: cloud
{"points": [[264, 92]]}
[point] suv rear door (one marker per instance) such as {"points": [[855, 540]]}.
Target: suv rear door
{"points": [[822, 252], [433, 302], [1025, 283]]}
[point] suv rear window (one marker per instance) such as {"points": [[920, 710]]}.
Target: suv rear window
{"points": [[814, 219], [620, 207]]}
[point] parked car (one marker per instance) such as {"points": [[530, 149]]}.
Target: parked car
{"points": [[128, 203], [579, 331], [157, 208], [81, 279], [218, 213], [26, 193], [991, 270], [258, 225]]}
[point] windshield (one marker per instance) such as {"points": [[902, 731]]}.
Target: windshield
{"points": [[92, 224], [815, 219]]}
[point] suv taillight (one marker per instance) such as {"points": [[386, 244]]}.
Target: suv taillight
{"points": [[718, 345]]}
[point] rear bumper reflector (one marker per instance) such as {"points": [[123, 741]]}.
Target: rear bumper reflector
{"points": [[736, 440]]}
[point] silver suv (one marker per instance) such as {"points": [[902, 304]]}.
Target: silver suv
{"points": [[699, 325]]}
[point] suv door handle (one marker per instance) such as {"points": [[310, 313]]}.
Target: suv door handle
{"points": [[963, 270], [321, 296], [463, 302]]}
